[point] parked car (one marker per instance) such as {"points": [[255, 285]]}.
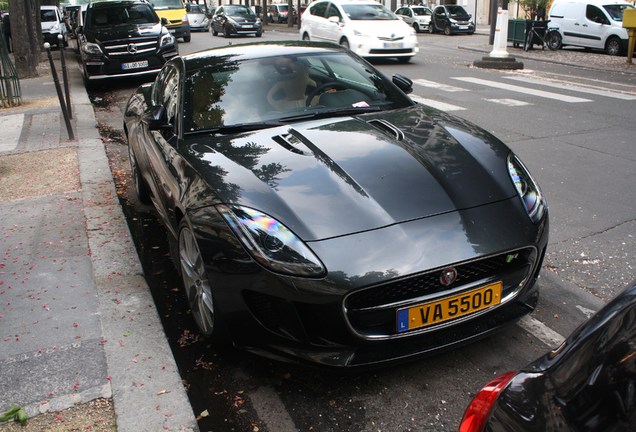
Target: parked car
{"points": [[53, 26], [174, 12], [451, 19], [72, 14], [364, 26], [586, 384], [596, 24], [418, 17], [197, 18], [317, 214], [123, 38], [277, 13], [231, 20]]}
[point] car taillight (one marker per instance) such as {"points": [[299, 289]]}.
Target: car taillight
{"points": [[478, 411]]}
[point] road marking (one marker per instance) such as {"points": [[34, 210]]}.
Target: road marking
{"points": [[436, 104], [271, 410], [11, 127], [577, 88], [439, 86], [541, 331], [587, 312], [524, 90], [509, 102]]}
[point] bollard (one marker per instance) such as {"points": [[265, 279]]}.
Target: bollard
{"points": [[60, 96], [60, 43]]}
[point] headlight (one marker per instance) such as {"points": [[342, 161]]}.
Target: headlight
{"points": [[184, 19], [91, 48], [454, 21], [527, 189], [167, 40], [270, 243]]}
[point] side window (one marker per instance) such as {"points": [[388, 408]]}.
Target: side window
{"points": [[333, 11], [440, 11], [594, 14], [320, 9]]}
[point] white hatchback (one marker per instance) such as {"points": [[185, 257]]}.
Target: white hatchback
{"points": [[364, 26]]}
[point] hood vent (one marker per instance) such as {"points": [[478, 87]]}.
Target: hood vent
{"points": [[387, 128]]}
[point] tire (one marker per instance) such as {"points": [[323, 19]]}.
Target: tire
{"points": [[140, 184], [416, 27], [187, 38], [226, 34], [214, 32], [306, 37], [258, 34], [345, 43], [553, 40], [431, 28], [528, 42], [404, 59], [197, 285], [447, 30], [613, 46]]}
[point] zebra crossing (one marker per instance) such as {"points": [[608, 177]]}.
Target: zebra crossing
{"points": [[522, 90]]}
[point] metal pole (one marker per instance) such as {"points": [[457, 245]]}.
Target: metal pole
{"points": [[60, 44], [60, 96]]}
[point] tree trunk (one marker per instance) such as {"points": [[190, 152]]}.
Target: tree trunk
{"points": [[26, 34]]}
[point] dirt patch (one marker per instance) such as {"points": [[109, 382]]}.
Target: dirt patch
{"points": [[38, 173], [95, 416], [29, 103]]}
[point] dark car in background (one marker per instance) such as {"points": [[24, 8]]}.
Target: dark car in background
{"points": [[123, 38], [451, 19], [236, 20], [586, 384], [319, 215]]}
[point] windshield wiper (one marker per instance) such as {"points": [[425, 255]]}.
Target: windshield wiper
{"points": [[240, 127], [330, 113]]}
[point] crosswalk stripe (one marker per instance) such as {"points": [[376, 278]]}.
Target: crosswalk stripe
{"points": [[439, 86], [524, 90], [541, 331], [436, 104], [509, 102], [573, 87]]}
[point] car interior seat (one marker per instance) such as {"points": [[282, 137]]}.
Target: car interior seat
{"points": [[290, 89]]}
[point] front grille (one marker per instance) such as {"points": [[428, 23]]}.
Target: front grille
{"points": [[391, 51], [130, 47], [372, 311]]}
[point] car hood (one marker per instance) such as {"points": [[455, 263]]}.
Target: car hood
{"points": [[383, 29], [243, 19], [333, 177], [124, 32]]}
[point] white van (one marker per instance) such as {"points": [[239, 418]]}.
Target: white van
{"points": [[594, 24], [53, 25]]}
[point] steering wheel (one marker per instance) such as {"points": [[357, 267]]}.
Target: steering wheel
{"points": [[322, 88]]}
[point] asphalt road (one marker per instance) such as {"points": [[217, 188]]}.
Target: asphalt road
{"points": [[573, 128]]}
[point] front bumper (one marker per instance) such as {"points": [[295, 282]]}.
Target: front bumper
{"points": [[51, 38], [462, 28], [373, 47], [315, 321], [102, 67], [179, 30]]}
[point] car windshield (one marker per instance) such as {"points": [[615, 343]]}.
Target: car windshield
{"points": [[275, 90], [132, 14], [456, 11], [421, 11], [238, 11], [368, 12], [167, 4], [48, 15], [616, 11], [195, 9]]}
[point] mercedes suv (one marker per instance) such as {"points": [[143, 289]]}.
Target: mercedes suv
{"points": [[123, 38]]}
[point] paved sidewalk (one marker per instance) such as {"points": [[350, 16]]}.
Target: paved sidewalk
{"points": [[77, 320]]}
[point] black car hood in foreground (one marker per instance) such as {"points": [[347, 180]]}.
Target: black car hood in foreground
{"points": [[332, 177], [123, 31]]}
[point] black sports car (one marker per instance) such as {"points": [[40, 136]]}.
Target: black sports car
{"points": [[318, 214], [586, 384]]}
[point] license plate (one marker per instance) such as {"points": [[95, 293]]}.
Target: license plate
{"points": [[463, 27], [134, 65], [449, 308], [248, 26], [392, 45]]}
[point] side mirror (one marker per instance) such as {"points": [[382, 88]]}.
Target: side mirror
{"points": [[155, 118], [403, 83], [334, 19]]}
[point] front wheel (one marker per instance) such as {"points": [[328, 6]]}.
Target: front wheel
{"points": [[447, 30], [553, 40], [416, 27], [345, 43], [431, 28], [140, 184], [198, 287], [613, 46], [306, 37], [187, 38]]}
